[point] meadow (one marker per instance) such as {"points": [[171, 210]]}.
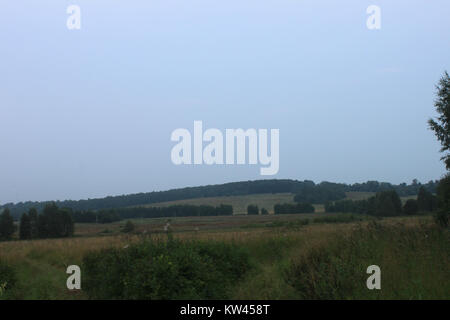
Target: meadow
{"points": [[295, 256]]}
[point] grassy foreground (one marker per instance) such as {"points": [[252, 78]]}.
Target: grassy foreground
{"points": [[287, 259]]}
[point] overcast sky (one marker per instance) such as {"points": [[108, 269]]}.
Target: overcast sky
{"points": [[88, 113]]}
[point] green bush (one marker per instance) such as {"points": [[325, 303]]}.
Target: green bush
{"points": [[164, 270]]}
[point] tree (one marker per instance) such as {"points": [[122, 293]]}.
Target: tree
{"points": [[386, 203], [68, 225], [7, 227], [253, 209], [441, 126], [425, 200], [25, 227], [264, 211], [55, 222], [33, 215], [410, 207], [443, 194]]}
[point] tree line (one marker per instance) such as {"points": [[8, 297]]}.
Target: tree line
{"points": [[253, 209], [309, 192], [287, 208], [53, 222], [387, 203], [305, 191], [184, 210]]}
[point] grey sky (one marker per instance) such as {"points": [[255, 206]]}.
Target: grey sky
{"points": [[88, 113]]}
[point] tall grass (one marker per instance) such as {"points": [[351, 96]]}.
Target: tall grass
{"points": [[287, 260], [414, 264], [7, 279]]}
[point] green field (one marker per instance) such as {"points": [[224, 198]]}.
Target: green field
{"points": [[292, 256], [276, 245]]}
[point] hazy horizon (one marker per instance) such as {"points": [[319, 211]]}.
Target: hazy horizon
{"points": [[88, 113]]}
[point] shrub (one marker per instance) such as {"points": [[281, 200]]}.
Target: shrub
{"points": [[264, 211], [164, 270]]}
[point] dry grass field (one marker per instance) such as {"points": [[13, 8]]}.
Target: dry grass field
{"points": [[273, 242]]}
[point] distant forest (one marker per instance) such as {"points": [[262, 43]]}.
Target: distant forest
{"points": [[112, 215], [305, 191]]}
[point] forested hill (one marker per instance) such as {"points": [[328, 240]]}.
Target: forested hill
{"points": [[227, 189]]}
